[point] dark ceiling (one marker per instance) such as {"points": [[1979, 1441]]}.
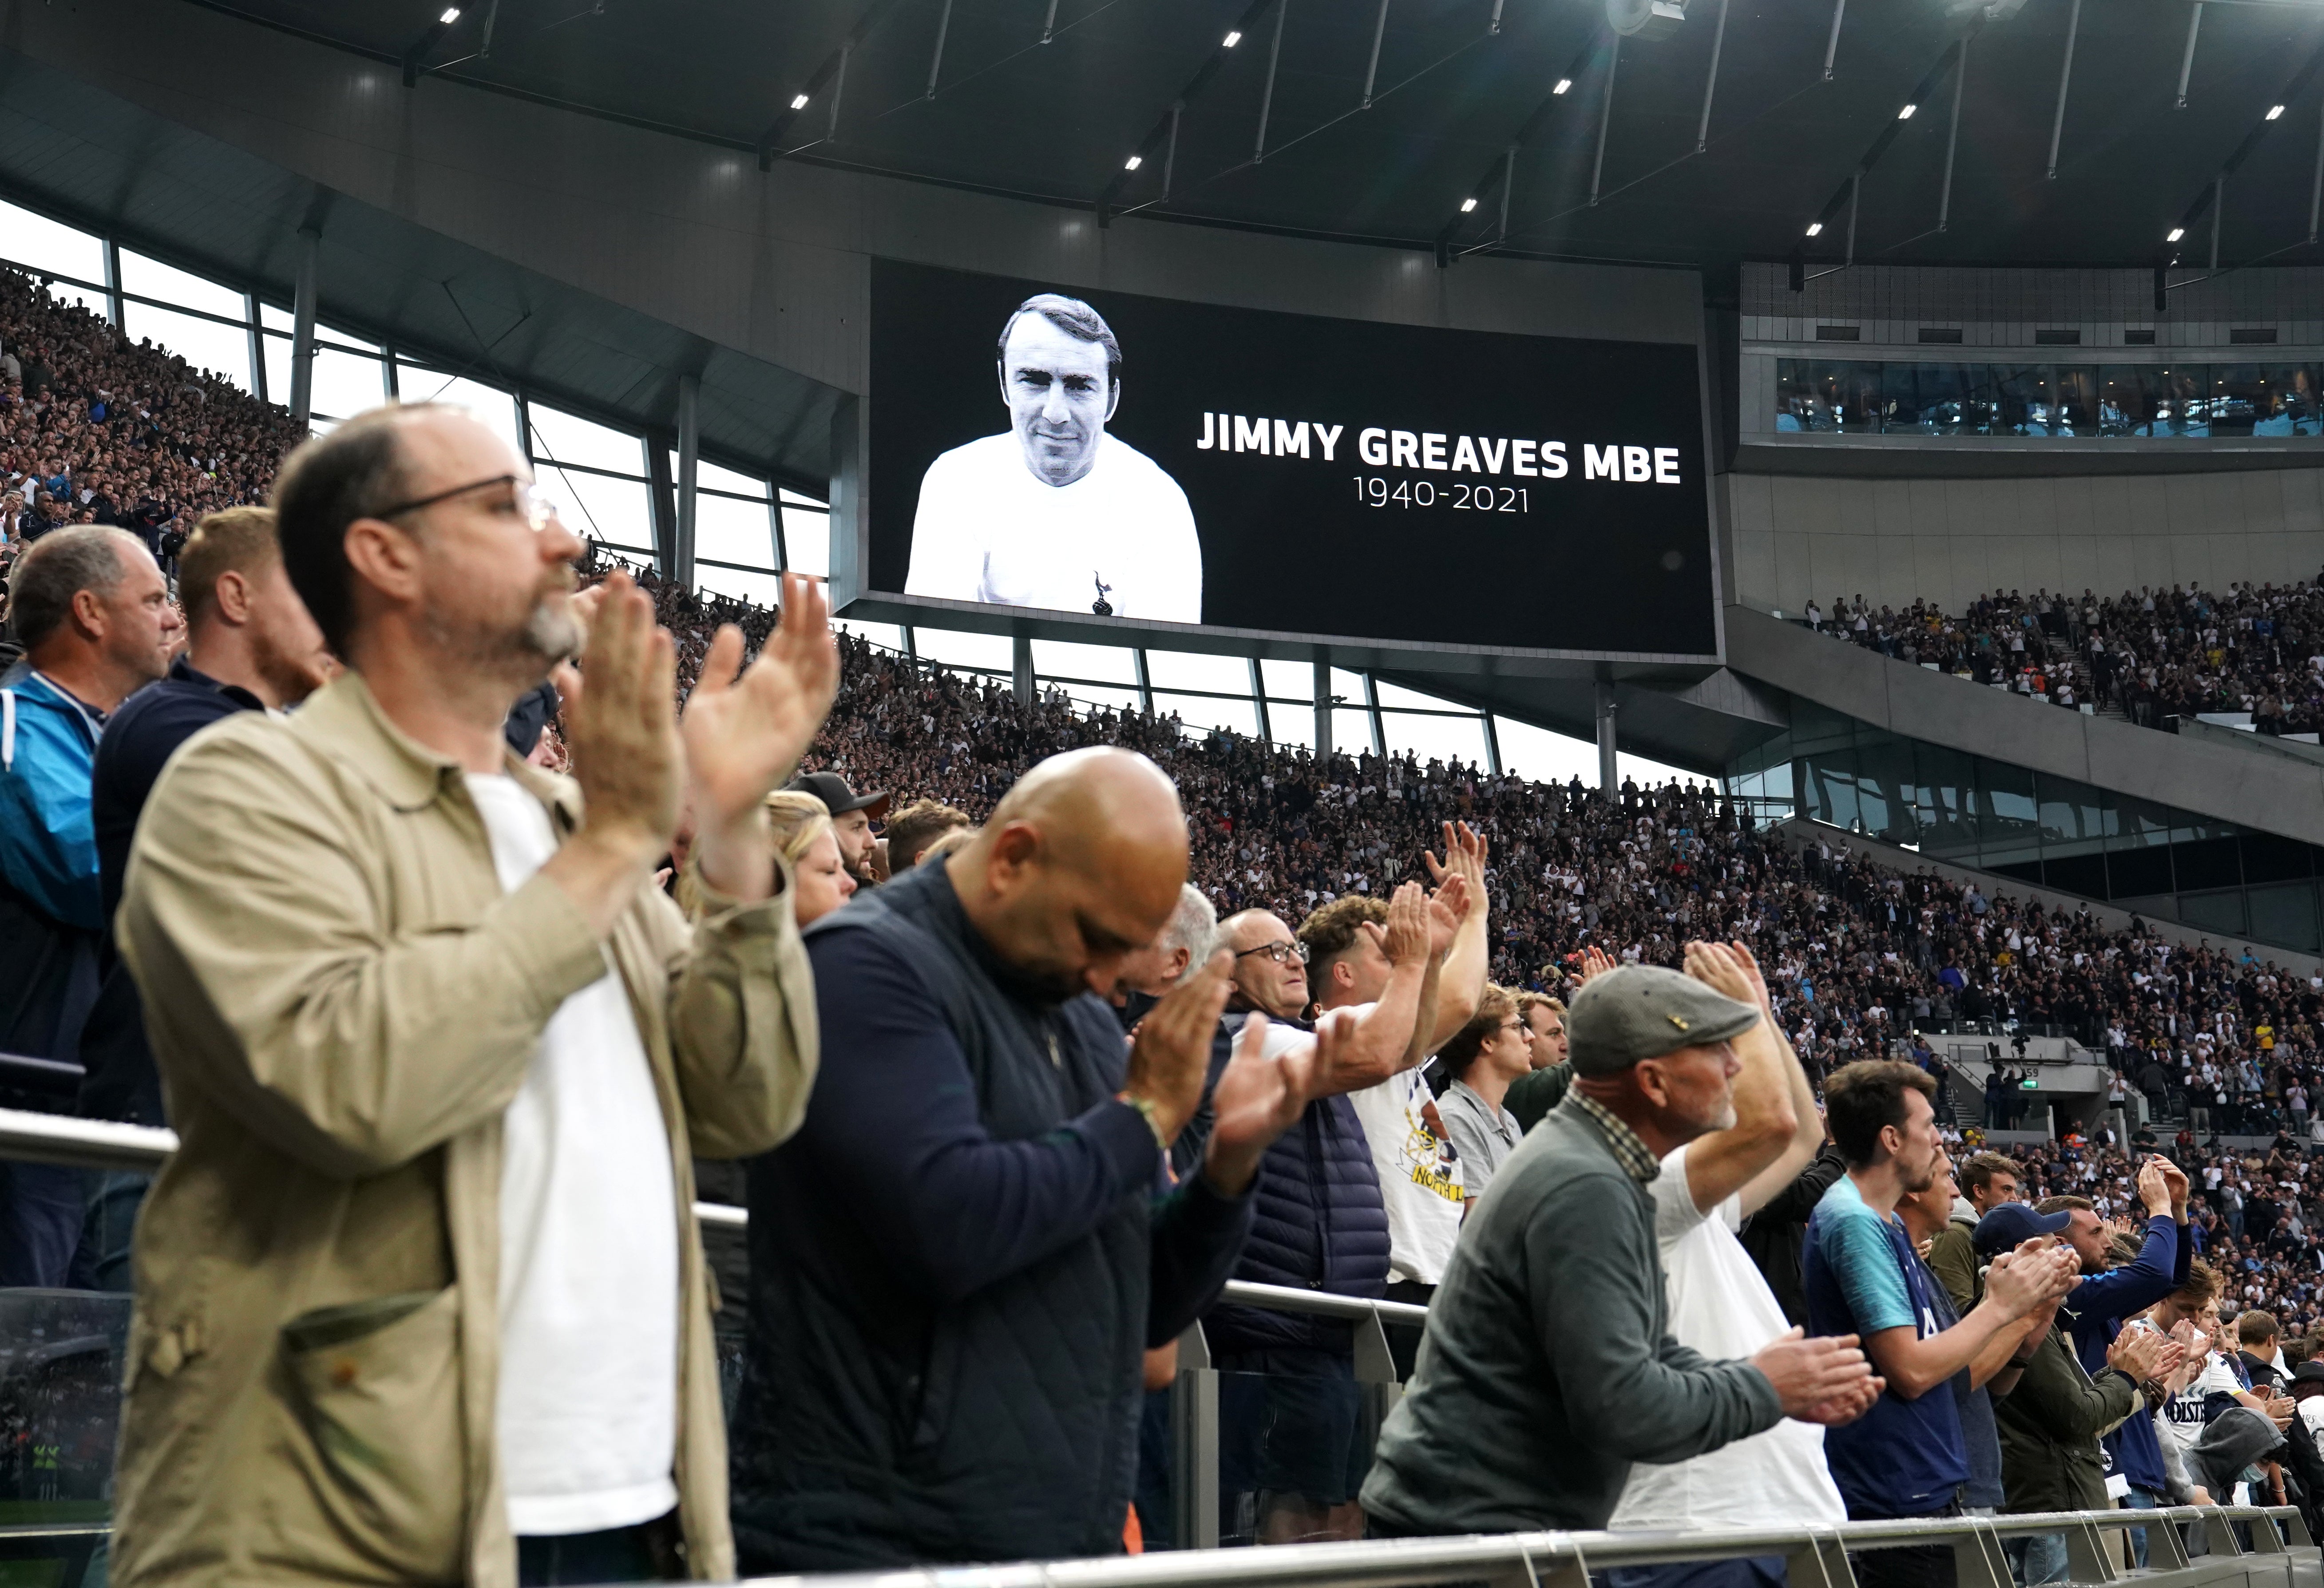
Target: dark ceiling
{"points": [[1056, 121]]}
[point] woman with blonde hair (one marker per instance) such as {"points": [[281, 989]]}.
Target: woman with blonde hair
{"points": [[802, 832]]}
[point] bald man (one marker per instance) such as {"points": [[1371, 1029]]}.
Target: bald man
{"points": [[960, 1259]]}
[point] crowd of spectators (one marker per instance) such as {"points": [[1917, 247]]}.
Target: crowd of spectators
{"points": [[97, 430], [2255, 650]]}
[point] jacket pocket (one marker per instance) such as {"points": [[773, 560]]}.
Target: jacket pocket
{"points": [[377, 1387]]}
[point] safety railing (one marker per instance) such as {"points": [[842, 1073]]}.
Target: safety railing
{"points": [[2240, 1547], [2249, 1544]]}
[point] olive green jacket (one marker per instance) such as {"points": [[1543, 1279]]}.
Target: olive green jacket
{"points": [[343, 1002], [2051, 1424]]}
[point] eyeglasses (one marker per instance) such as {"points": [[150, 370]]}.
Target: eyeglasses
{"points": [[535, 507], [1281, 953]]}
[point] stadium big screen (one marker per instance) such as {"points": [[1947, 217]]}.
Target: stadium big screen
{"points": [[1149, 458]]}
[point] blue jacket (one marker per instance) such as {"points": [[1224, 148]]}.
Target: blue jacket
{"points": [[1320, 1225], [2093, 1315], [51, 908], [956, 1263]]}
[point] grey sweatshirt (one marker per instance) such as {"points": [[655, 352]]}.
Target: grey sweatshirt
{"points": [[1547, 1368]]}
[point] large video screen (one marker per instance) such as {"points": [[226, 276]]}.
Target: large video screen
{"points": [[1110, 454]]}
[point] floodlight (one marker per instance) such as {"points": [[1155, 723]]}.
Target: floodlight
{"points": [[1814, 228], [1468, 204], [1133, 162], [1563, 84], [798, 102], [1233, 39], [2176, 233]]}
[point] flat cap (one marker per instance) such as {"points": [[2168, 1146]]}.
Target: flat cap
{"points": [[1643, 1012]]}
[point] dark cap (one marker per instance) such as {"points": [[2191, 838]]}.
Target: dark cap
{"points": [[1643, 1012], [2308, 1373], [832, 789], [2011, 1225]]}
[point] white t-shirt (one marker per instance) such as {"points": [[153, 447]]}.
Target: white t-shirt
{"points": [[1420, 1180], [588, 1409], [1721, 1306], [990, 529], [2179, 1421]]}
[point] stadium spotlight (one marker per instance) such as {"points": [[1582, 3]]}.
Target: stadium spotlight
{"points": [[452, 14], [2274, 111], [1133, 162], [2176, 233], [1468, 204], [1815, 228], [1232, 39], [1563, 84], [1906, 115], [798, 102]]}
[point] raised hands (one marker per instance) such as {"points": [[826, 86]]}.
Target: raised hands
{"points": [[1716, 967], [743, 735], [1407, 935], [2030, 1277], [1595, 963], [2145, 1353], [1257, 1098], [1465, 855]]}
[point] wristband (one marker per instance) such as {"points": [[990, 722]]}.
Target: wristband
{"points": [[1145, 1106]]}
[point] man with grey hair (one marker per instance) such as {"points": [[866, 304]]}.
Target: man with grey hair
{"points": [[94, 615], [1183, 944], [1054, 513], [1549, 1366]]}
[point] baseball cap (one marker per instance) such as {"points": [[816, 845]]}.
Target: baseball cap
{"points": [[832, 789], [1641, 1012], [2014, 1223]]}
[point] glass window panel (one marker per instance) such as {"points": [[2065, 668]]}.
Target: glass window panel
{"points": [[794, 499], [2284, 914], [1292, 726], [2207, 863], [1946, 801], [39, 243], [1202, 713], [2126, 404], [204, 345], [2289, 405], [1110, 663], [960, 648], [1886, 789], [2179, 399], [276, 320], [1292, 681], [1840, 395], [2239, 396], [1932, 399], [344, 385], [2073, 399], [1191, 670], [2024, 398], [492, 406], [1435, 739], [709, 476], [2270, 858], [152, 279], [2083, 874], [2139, 873], [348, 341], [1094, 694], [733, 531], [806, 539], [1543, 756], [568, 438], [1352, 730], [2220, 912], [764, 590], [2008, 819], [1347, 687], [277, 353], [888, 636], [611, 510], [1391, 695]]}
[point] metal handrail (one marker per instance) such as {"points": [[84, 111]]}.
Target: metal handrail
{"points": [[1552, 1560], [98, 1143]]}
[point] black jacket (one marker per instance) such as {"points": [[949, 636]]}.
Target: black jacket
{"points": [[1776, 1235], [957, 1263]]}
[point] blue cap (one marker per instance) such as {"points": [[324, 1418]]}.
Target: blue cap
{"points": [[2012, 1222]]}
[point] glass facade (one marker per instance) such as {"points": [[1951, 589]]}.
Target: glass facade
{"points": [[1954, 806], [1871, 398]]}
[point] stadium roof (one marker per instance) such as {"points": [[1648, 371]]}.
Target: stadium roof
{"points": [[1272, 132]]}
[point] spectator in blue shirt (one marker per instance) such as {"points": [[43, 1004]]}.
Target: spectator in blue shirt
{"points": [[2108, 1295], [1907, 1457], [93, 614]]}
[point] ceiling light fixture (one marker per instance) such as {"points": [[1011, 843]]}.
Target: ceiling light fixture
{"points": [[1563, 84], [1906, 115], [2274, 111], [1233, 39], [798, 102], [452, 14], [1815, 227], [1468, 204], [2176, 233], [1133, 162]]}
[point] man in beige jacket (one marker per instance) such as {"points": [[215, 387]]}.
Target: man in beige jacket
{"points": [[419, 1300]]}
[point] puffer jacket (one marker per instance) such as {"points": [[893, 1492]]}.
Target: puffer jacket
{"points": [[52, 911], [1320, 1225]]}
